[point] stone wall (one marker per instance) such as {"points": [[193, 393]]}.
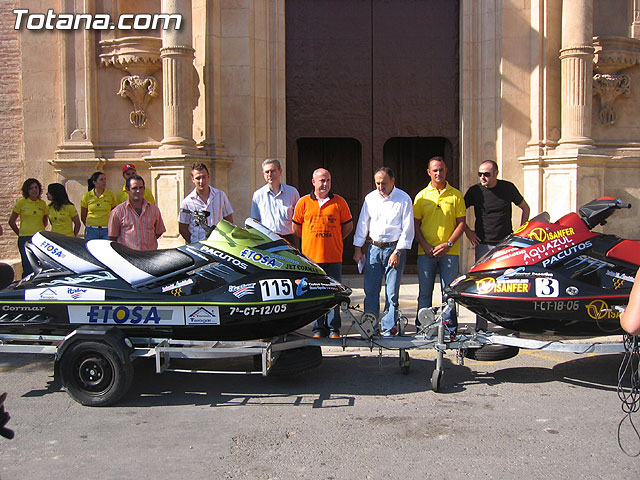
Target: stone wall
{"points": [[11, 126]]}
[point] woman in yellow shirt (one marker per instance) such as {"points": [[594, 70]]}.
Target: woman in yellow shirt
{"points": [[33, 217], [62, 213], [95, 207]]}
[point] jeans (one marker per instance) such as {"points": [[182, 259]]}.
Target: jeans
{"points": [[375, 268], [26, 266], [427, 267], [91, 233], [331, 322], [481, 250]]}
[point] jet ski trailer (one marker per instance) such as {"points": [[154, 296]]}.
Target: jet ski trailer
{"points": [[95, 362]]}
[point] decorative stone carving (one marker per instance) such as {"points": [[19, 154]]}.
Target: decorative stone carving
{"points": [[140, 58], [608, 87], [140, 90], [613, 54]]}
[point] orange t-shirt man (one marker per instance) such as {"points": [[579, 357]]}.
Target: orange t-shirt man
{"points": [[322, 227]]}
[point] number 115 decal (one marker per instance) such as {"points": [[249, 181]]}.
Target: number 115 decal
{"points": [[276, 289]]}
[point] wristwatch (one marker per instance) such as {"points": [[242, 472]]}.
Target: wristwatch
{"points": [[397, 252], [449, 244]]}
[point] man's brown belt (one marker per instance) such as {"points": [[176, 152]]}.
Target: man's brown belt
{"points": [[384, 244]]}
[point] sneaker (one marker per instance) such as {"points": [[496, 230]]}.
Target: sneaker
{"points": [[318, 335], [334, 335], [390, 333]]}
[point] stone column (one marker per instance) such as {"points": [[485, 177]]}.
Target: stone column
{"points": [[576, 58], [170, 165], [177, 56]]}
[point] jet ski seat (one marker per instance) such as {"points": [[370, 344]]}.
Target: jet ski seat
{"points": [[71, 252], [136, 266], [627, 251]]}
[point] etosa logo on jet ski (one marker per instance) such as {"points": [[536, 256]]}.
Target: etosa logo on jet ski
{"points": [[260, 258], [121, 314], [599, 309], [51, 249], [541, 235]]}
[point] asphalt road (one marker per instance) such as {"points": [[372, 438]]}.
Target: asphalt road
{"points": [[538, 415]]}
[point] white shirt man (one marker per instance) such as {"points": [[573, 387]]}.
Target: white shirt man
{"points": [[387, 218], [203, 197], [274, 203]]}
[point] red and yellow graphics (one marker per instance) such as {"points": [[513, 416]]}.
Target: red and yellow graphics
{"points": [[488, 285]]}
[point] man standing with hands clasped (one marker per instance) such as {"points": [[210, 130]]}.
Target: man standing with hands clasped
{"points": [[491, 200], [323, 220], [440, 218], [387, 218], [136, 223]]}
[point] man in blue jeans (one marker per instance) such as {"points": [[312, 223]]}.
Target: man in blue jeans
{"points": [[440, 219], [386, 219]]}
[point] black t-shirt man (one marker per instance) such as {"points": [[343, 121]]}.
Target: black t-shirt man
{"points": [[492, 207]]}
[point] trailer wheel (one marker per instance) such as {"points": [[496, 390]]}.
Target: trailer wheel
{"points": [[93, 374], [296, 360], [436, 378], [492, 353]]}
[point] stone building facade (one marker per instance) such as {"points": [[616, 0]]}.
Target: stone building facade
{"points": [[547, 88]]}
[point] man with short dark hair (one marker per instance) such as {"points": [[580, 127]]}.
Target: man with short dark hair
{"points": [[386, 219], [491, 200], [129, 170], [440, 218], [136, 223], [274, 203], [202, 198]]}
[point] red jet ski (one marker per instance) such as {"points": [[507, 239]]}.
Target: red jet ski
{"points": [[555, 277]]}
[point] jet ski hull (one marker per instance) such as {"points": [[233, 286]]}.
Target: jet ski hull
{"points": [[586, 313], [199, 321], [239, 284], [558, 278]]}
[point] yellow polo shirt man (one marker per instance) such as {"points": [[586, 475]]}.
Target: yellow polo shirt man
{"points": [[438, 212], [440, 217]]}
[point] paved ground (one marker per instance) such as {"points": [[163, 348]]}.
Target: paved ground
{"points": [[538, 415]]}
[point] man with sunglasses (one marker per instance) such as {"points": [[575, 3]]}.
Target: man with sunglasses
{"points": [[491, 200]]}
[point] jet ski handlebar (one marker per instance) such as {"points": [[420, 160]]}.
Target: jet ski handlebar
{"points": [[597, 211]]}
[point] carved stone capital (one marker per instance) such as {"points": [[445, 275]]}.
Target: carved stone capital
{"points": [[140, 90], [134, 55], [609, 87], [613, 54]]}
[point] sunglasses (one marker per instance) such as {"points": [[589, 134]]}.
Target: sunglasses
{"points": [[484, 174]]}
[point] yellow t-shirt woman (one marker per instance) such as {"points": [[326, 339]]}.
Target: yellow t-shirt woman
{"points": [[95, 207], [62, 213], [32, 212]]}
